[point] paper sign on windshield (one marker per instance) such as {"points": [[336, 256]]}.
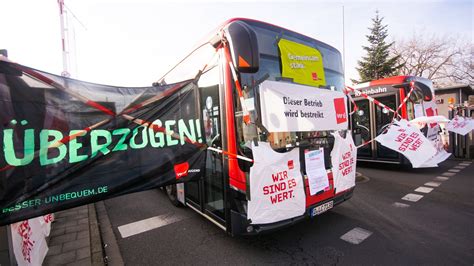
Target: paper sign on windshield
{"points": [[301, 63], [287, 107]]}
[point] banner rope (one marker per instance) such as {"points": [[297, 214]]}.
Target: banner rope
{"points": [[395, 112], [375, 101], [230, 154], [352, 101]]}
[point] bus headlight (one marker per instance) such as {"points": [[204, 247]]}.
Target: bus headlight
{"points": [[249, 229]]}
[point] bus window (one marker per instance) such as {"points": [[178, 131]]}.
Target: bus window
{"points": [[190, 66], [383, 118], [270, 69], [414, 102]]}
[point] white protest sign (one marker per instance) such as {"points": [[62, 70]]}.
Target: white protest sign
{"points": [[431, 109], [343, 159], [418, 109], [276, 185], [287, 107], [46, 223], [422, 120], [440, 156], [460, 125], [409, 141], [316, 171], [29, 241]]}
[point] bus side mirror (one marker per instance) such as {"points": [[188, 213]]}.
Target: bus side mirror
{"points": [[427, 94], [243, 47]]}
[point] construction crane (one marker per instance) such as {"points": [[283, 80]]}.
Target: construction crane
{"points": [[64, 39]]}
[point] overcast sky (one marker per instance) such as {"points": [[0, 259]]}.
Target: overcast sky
{"points": [[132, 43]]}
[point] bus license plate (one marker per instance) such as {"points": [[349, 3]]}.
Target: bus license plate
{"points": [[321, 208]]}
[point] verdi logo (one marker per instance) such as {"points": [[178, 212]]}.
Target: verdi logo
{"points": [[52, 146], [340, 108], [181, 169]]}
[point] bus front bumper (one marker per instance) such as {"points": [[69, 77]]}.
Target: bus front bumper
{"points": [[241, 226]]}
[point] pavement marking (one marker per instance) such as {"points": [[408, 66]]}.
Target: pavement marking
{"points": [[147, 224], [468, 162], [433, 184], [412, 197], [441, 178], [448, 174], [454, 170], [356, 235], [465, 164], [400, 205], [459, 167], [424, 189]]}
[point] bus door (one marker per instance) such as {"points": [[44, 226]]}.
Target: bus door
{"points": [[361, 128], [207, 194], [382, 119], [370, 121]]}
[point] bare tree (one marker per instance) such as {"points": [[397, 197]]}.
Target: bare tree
{"points": [[443, 60]]}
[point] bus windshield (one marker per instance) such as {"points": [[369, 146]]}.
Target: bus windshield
{"points": [[271, 69]]}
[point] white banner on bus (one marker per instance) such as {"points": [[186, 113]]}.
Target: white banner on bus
{"points": [[343, 159], [287, 107], [276, 185], [460, 125], [409, 141]]}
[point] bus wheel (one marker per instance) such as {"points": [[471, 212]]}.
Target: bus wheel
{"points": [[172, 195]]}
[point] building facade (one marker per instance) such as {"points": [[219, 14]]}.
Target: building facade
{"points": [[451, 100]]}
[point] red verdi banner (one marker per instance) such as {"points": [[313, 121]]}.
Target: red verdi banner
{"points": [[66, 143]]}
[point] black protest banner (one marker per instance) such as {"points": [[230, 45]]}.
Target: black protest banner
{"points": [[66, 143]]}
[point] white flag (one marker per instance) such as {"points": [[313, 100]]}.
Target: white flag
{"points": [[29, 241], [440, 156], [409, 141], [460, 125]]}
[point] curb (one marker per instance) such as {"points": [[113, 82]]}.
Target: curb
{"points": [[97, 258], [111, 248]]}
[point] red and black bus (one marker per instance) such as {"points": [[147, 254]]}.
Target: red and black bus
{"points": [[371, 119], [222, 193]]}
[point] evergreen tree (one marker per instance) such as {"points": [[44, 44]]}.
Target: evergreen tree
{"points": [[377, 64]]}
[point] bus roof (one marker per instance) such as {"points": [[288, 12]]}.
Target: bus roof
{"points": [[227, 22], [392, 81]]}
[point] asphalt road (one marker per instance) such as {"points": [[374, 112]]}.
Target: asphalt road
{"points": [[438, 229]]}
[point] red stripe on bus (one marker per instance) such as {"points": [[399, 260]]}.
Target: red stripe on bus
{"points": [[236, 176], [388, 81]]}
